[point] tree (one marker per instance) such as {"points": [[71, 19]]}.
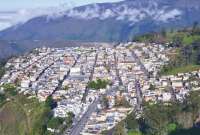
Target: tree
{"points": [[2, 98], [121, 102], [194, 27], [119, 129], [131, 122], [66, 87], [98, 84], [50, 102], [69, 119], [152, 87], [163, 32], [105, 102], [10, 89], [55, 122]]}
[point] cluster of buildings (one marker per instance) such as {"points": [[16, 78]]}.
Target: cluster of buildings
{"points": [[132, 70], [124, 65]]}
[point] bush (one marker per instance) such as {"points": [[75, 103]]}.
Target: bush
{"points": [[55, 122], [50, 102], [10, 89], [98, 84]]}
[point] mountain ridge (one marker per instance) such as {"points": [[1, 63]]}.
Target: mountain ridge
{"points": [[107, 21], [103, 22]]}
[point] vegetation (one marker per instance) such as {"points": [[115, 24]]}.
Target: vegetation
{"points": [[66, 87], [187, 59], [60, 124], [184, 37], [190, 131], [50, 102], [23, 116], [2, 68], [69, 119], [9, 90], [55, 122], [173, 71], [105, 102], [98, 84], [41, 116], [119, 129], [152, 87], [134, 133], [119, 102], [186, 42], [165, 119]]}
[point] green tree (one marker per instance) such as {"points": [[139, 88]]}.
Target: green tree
{"points": [[119, 129], [195, 27], [55, 122], [50, 102], [131, 122], [152, 87]]}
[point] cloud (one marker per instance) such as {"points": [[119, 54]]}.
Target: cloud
{"points": [[23, 15], [165, 16], [131, 13], [4, 25], [107, 14]]}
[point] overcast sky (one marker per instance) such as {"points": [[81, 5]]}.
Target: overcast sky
{"points": [[12, 5]]}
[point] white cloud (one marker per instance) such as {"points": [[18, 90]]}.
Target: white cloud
{"points": [[132, 14], [165, 16], [123, 12], [4, 25], [107, 14]]}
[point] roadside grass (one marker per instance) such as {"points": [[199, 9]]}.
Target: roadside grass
{"points": [[184, 69]]}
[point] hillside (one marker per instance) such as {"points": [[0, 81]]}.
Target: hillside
{"points": [[186, 51], [108, 21], [21, 115], [13, 48], [105, 22]]}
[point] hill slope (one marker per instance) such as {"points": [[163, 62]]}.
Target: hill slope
{"points": [[108, 21]]}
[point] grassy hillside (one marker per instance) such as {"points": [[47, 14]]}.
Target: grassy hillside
{"points": [[185, 42], [20, 115], [23, 116]]}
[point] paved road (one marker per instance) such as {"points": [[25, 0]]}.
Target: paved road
{"points": [[139, 95], [117, 70], [28, 66], [25, 69], [44, 71], [174, 99], [141, 65], [90, 79], [65, 77], [137, 83], [76, 130]]}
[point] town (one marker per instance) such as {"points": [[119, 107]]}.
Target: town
{"points": [[100, 85]]}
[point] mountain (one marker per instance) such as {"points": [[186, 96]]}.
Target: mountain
{"points": [[102, 22], [108, 21]]}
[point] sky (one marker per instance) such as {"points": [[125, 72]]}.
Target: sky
{"points": [[13, 5], [13, 12]]}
